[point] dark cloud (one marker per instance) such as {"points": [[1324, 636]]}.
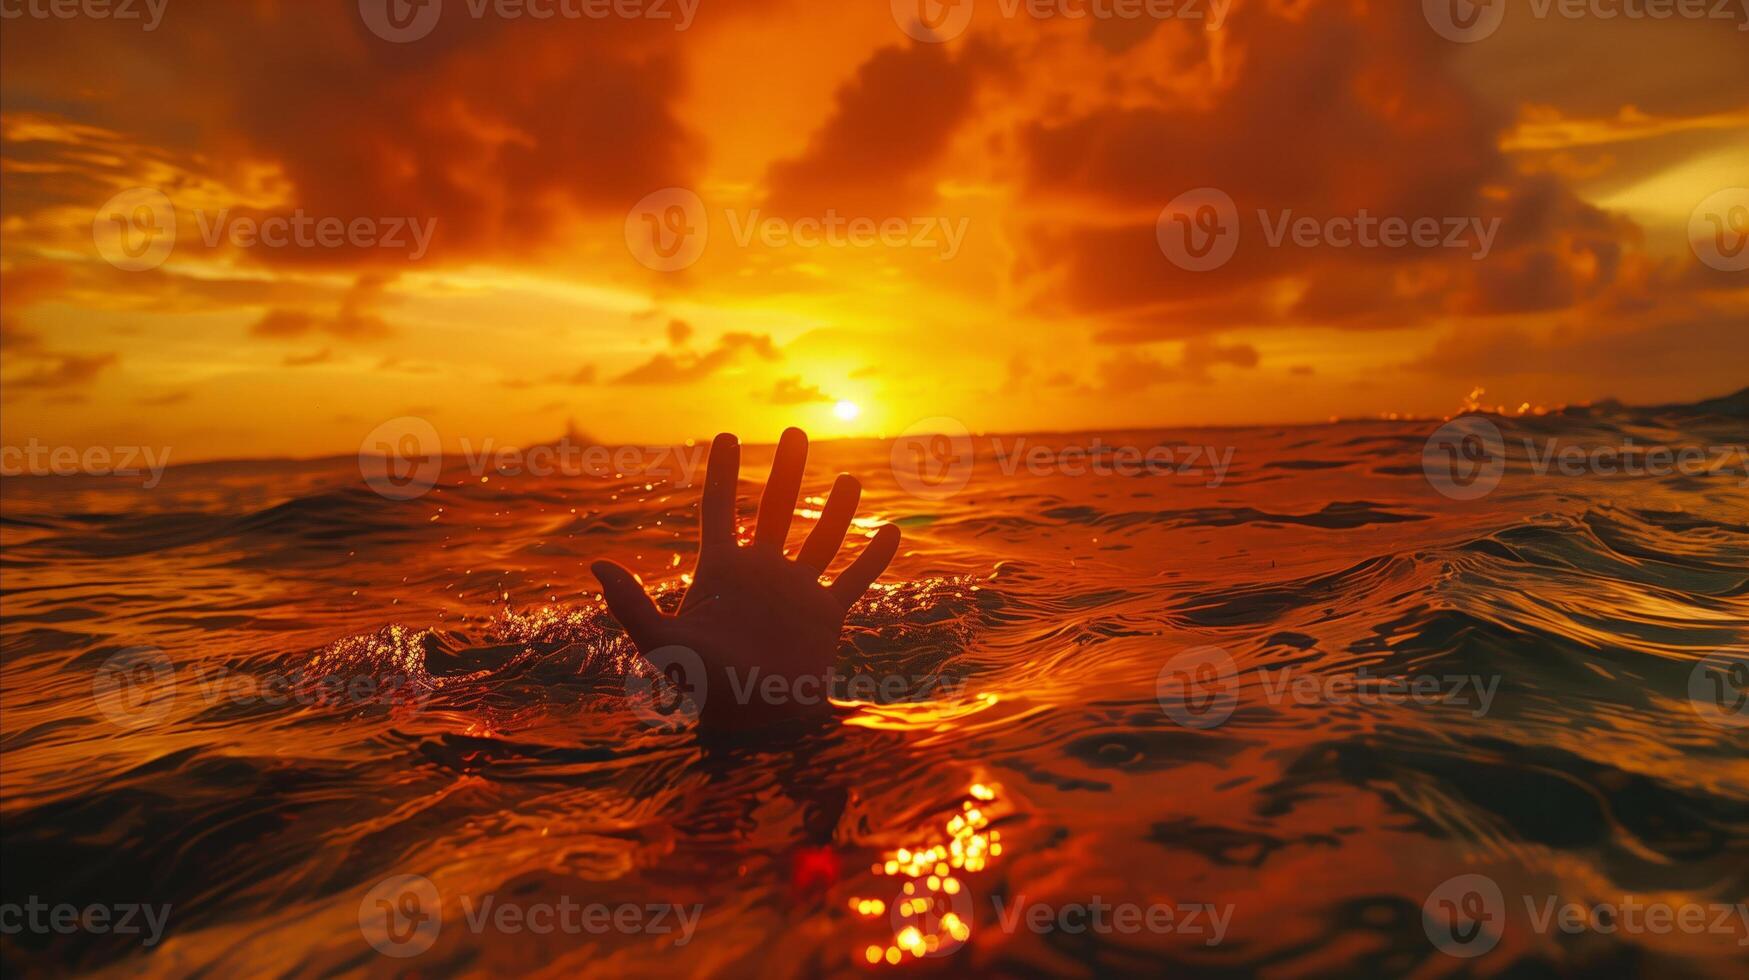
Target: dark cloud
{"points": [[323, 356], [1137, 370], [61, 371], [688, 366], [36, 367], [791, 391], [354, 320], [1708, 348], [1368, 114], [284, 323], [16, 339], [495, 129], [1200, 355], [891, 122], [584, 375], [22, 287], [165, 400]]}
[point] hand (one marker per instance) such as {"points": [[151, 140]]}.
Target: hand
{"points": [[751, 613]]}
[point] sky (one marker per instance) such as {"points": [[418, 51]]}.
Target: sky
{"points": [[249, 228]]}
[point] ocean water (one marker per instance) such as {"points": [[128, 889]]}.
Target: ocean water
{"points": [[1337, 704]]}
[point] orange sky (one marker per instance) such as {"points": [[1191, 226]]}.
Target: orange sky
{"points": [[1026, 162]]}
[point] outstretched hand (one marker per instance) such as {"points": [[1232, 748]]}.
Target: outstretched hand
{"points": [[753, 614]]}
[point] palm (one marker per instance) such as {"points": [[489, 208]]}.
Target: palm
{"points": [[760, 622]]}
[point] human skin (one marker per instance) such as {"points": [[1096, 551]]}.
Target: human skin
{"points": [[752, 611]]}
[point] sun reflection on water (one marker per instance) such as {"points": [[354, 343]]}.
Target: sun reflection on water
{"points": [[932, 913]]}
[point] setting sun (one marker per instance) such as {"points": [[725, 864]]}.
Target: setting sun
{"points": [[848, 411]]}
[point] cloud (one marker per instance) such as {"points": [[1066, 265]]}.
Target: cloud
{"points": [[22, 287], [1542, 127], [284, 323], [39, 369], [1138, 370], [527, 141], [500, 131], [165, 400], [16, 339], [688, 366], [28, 285], [1199, 355], [791, 391], [1326, 84], [288, 324], [62, 371], [1708, 347], [354, 320], [889, 124], [323, 356], [584, 375]]}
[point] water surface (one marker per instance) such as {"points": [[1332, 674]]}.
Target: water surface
{"points": [[258, 690]]}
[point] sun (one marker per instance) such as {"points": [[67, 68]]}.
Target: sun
{"points": [[847, 410]]}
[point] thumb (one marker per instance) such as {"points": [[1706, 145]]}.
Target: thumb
{"points": [[629, 604]]}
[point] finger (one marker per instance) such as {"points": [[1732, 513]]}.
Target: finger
{"points": [[868, 566], [778, 504], [630, 604], [716, 515], [828, 533]]}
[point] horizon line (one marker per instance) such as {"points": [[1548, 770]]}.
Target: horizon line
{"points": [[1497, 411]]}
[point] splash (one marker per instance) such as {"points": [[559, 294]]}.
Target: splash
{"points": [[393, 657]]}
